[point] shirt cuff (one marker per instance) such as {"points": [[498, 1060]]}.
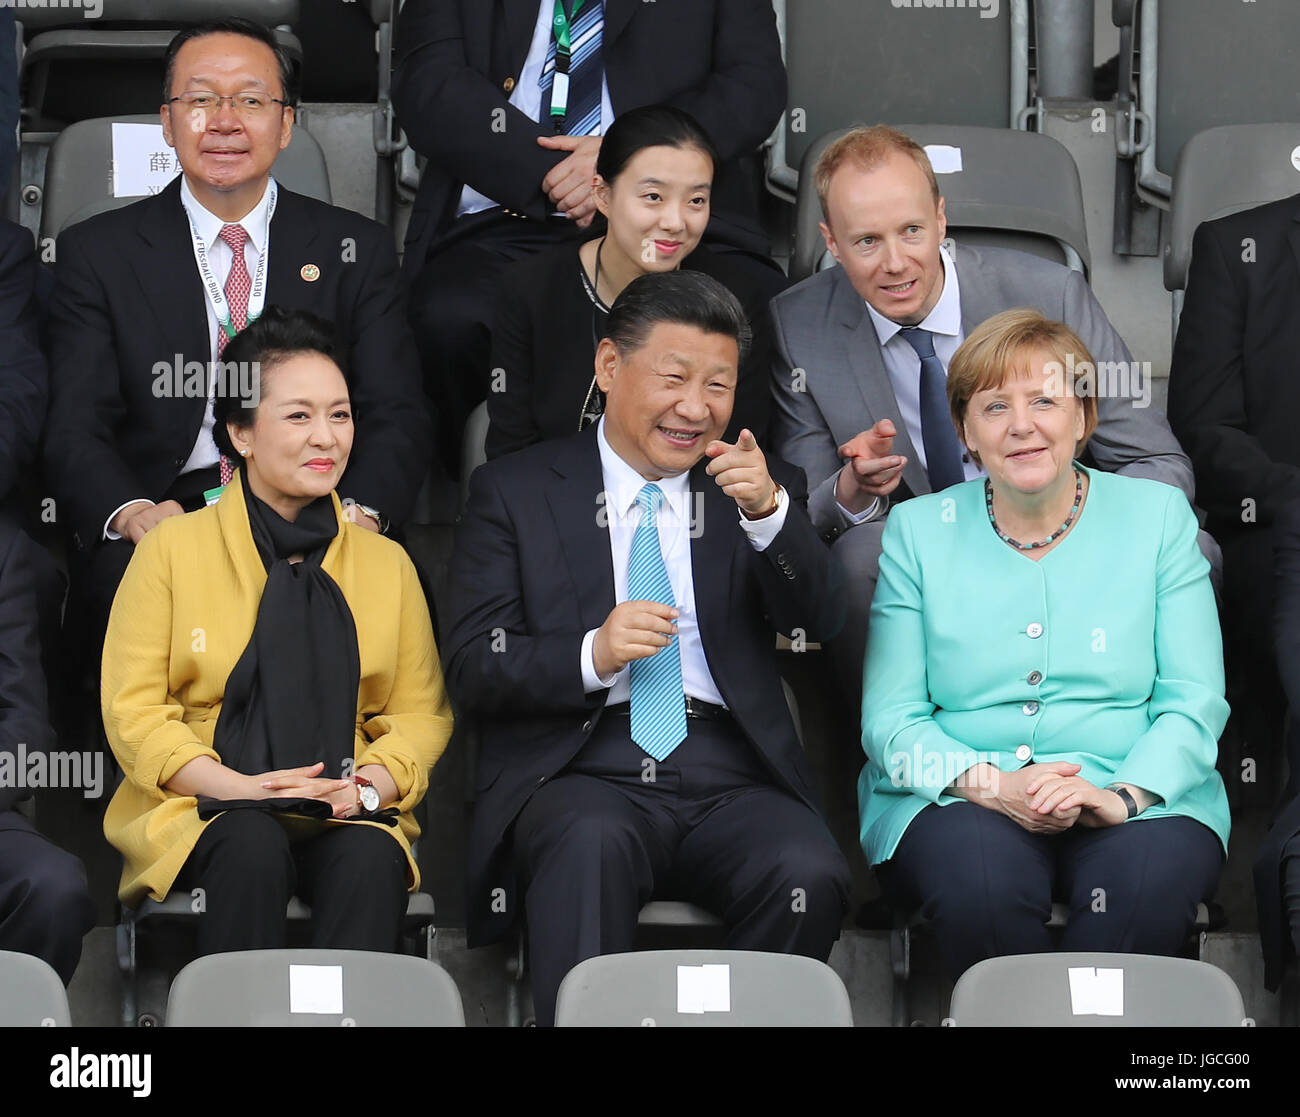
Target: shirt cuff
{"points": [[591, 681], [109, 533], [762, 532], [854, 518]]}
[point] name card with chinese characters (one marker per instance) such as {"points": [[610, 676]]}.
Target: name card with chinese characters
{"points": [[142, 161]]}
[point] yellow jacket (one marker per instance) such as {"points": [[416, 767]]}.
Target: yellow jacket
{"points": [[182, 618]]}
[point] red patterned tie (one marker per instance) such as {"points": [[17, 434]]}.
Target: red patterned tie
{"points": [[238, 286]]}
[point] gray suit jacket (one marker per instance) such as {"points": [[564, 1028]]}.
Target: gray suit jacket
{"points": [[822, 327]]}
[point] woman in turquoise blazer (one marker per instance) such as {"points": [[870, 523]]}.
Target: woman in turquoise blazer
{"points": [[1044, 679]]}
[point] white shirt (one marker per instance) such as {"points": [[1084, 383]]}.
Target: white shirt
{"points": [[527, 98], [904, 366], [220, 256], [677, 515]]}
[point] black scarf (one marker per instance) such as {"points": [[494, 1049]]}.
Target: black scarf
{"points": [[291, 700]]}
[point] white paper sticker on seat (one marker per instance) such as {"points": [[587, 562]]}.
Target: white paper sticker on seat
{"points": [[316, 989], [703, 989], [142, 161], [1096, 992], [944, 159]]}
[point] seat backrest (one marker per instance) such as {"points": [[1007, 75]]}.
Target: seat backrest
{"points": [[1014, 190], [33, 994], [1094, 990], [76, 187], [864, 61], [154, 13], [1214, 64], [1222, 171], [701, 989], [313, 989]]}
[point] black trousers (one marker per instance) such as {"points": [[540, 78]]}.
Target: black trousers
{"points": [[595, 843], [452, 309], [987, 884], [352, 877], [45, 906]]}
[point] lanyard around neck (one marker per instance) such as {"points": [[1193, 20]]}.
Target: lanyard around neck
{"points": [[563, 27], [214, 289]]}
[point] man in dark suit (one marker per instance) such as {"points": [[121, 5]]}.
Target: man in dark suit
{"points": [[45, 907], [135, 324], [510, 165], [615, 600], [1233, 402]]}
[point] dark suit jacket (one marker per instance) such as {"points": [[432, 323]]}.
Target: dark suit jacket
{"points": [[23, 715], [543, 343], [1234, 392], [720, 60], [24, 384], [532, 573], [129, 295]]}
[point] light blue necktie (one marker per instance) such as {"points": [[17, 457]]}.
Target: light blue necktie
{"points": [[658, 701], [938, 435]]}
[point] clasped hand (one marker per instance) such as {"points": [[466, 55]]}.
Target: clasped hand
{"points": [[306, 783], [1048, 798]]}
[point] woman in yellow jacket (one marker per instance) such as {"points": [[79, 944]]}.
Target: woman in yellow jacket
{"points": [[270, 682]]}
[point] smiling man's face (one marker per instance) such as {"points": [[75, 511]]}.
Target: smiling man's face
{"points": [[222, 152], [668, 398], [885, 228]]}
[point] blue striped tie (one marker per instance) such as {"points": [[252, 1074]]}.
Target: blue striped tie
{"points": [[586, 71], [658, 701], [942, 450]]}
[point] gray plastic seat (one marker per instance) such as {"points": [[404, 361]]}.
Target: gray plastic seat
{"points": [[1203, 64], [351, 988], [178, 908], [649, 987], [33, 996], [1036, 990], [1015, 190], [863, 61], [76, 186], [156, 13]]}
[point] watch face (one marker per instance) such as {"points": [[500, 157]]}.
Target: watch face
{"points": [[369, 799]]}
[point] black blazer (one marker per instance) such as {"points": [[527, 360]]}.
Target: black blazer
{"points": [[720, 60], [128, 295], [543, 344], [24, 382], [1234, 381], [23, 714], [532, 573]]}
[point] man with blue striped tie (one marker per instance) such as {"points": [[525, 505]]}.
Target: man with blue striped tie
{"points": [[616, 598], [508, 101]]}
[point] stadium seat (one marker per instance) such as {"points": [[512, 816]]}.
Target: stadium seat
{"points": [[1061, 990], [908, 924], [1015, 190], [1222, 171], [864, 61], [1199, 64], [117, 53], [33, 994], [313, 989], [390, 141], [76, 186], [178, 909], [702, 989]]}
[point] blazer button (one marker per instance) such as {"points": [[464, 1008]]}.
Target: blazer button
{"points": [[541, 781], [508, 85], [1029, 709], [1034, 631], [586, 726], [1034, 678], [1024, 752], [178, 462]]}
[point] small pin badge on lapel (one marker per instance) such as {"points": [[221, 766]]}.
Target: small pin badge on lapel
{"points": [[310, 272]]}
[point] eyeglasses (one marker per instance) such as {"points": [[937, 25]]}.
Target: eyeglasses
{"points": [[247, 104]]}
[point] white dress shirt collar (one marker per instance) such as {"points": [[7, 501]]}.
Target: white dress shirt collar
{"points": [[210, 225], [623, 483], [944, 317]]}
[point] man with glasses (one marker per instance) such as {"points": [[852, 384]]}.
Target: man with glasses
{"points": [[148, 295]]}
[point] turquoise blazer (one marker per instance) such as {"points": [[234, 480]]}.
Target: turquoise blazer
{"points": [[1105, 652]]}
